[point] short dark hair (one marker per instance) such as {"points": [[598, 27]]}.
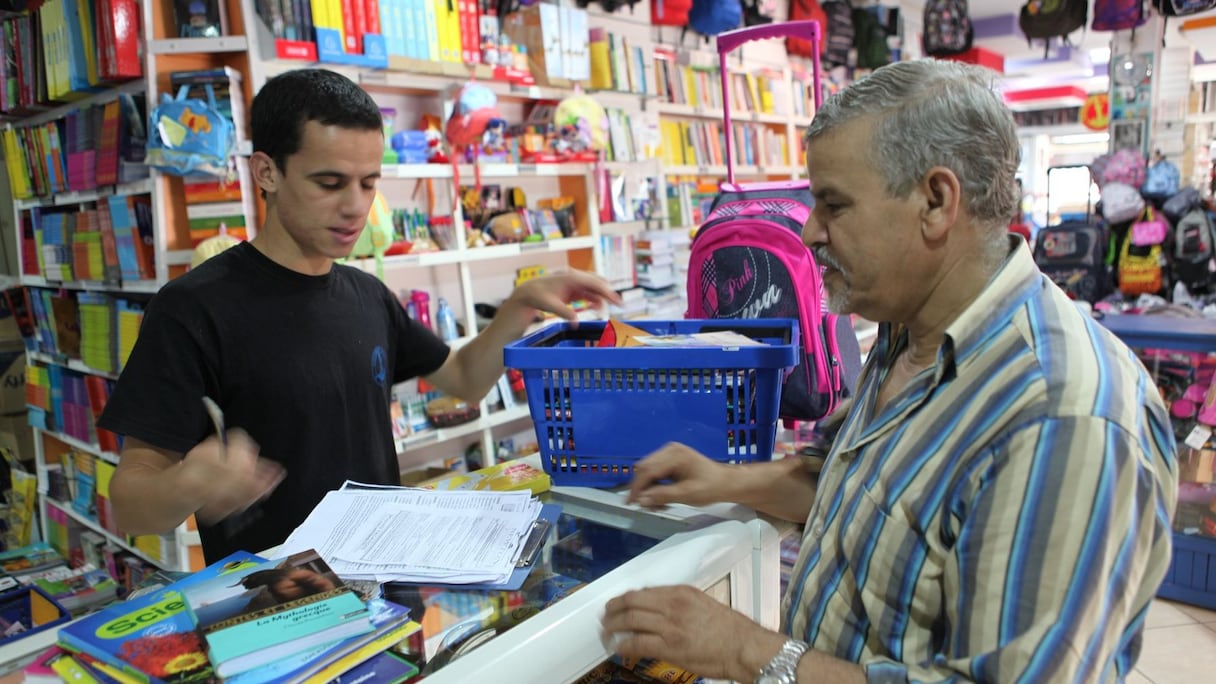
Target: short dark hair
{"points": [[288, 101]]}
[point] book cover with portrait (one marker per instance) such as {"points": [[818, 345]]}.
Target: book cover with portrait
{"points": [[274, 610]]}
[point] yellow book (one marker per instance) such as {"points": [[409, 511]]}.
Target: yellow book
{"points": [[601, 66], [320, 13], [14, 159], [87, 27], [690, 148], [358, 656], [333, 14], [500, 477]]}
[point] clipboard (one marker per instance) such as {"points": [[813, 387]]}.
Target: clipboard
{"points": [[546, 522]]}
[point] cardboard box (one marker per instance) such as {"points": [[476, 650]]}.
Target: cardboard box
{"points": [[12, 382], [17, 429], [537, 27]]}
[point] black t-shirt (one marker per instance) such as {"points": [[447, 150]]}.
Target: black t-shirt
{"points": [[304, 364]]}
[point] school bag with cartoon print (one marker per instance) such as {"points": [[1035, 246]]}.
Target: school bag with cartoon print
{"points": [[187, 136], [946, 28], [1073, 256], [748, 261]]}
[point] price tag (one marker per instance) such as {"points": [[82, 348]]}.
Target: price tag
{"points": [[530, 246], [526, 168], [1198, 437], [374, 77], [704, 170], [412, 259]]}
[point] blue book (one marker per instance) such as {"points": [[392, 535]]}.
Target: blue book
{"points": [[152, 637], [272, 611], [386, 618]]}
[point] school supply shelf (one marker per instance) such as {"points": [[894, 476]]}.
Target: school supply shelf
{"points": [[1192, 573]]}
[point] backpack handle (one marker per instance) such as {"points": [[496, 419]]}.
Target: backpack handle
{"points": [[807, 29]]}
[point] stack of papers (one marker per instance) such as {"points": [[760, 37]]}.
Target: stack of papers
{"points": [[401, 534]]}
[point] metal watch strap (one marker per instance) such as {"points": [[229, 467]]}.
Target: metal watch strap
{"points": [[783, 668]]}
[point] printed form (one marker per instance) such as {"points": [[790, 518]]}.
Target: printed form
{"points": [[418, 535]]}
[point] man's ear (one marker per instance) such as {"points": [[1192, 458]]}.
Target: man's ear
{"points": [[265, 172], [943, 199]]}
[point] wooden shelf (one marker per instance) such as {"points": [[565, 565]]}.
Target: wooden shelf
{"points": [[489, 253], [193, 46]]}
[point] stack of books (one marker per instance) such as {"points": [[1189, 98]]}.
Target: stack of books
{"points": [[243, 619]]}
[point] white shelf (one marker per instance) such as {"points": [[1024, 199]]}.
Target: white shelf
{"points": [[1200, 118], [93, 525], [138, 187], [439, 435], [490, 170], [186, 46], [745, 171], [492, 252], [81, 445], [717, 114], [133, 286], [71, 364]]}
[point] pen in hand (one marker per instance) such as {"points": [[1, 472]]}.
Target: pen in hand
{"points": [[239, 520]]}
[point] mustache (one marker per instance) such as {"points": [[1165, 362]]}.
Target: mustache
{"points": [[824, 259]]}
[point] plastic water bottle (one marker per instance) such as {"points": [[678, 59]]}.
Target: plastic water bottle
{"points": [[422, 306], [446, 321]]}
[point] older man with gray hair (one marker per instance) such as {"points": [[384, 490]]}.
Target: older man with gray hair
{"points": [[996, 502]]}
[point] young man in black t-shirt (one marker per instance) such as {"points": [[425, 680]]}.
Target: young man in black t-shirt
{"points": [[299, 352]]}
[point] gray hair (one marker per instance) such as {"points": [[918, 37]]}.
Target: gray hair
{"points": [[935, 113]]}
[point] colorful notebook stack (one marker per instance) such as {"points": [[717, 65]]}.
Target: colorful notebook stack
{"points": [[97, 334], [169, 635], [130, 316]]}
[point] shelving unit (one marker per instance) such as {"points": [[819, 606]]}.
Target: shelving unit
{"points": [[1192, 574], [170, 248]]}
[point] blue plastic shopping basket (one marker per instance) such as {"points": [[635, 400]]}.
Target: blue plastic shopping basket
{"points": [[597, 411]]}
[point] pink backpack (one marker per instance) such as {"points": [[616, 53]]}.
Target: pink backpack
{"points": [[748, 261]]}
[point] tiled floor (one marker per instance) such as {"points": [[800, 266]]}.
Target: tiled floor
{"points": [[1179, 645]]}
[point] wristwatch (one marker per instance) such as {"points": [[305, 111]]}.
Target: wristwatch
{"points": [[783, 668]]}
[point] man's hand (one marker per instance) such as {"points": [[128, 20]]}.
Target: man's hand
{"points": [[229, 480], [553, 294], [691, 477], [685, 627]]}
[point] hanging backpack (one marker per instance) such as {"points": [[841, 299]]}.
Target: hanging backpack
{"points": [[1161, 179], [839, 40], [870, 39], [1122, 166], [1182, 8], [1140, 269], [1118, 15], [711, 17], [669, 12], [1047, 19], [1073, 256], [946, 28], [759, 12], [1193, 251], [804, 10]]}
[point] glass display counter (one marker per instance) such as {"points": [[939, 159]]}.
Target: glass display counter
{"points": [[549, 630]]}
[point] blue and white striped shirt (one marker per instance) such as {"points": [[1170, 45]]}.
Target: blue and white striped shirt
{"points": [[1006, 516]]}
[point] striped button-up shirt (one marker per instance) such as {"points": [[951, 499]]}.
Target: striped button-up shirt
{"points": [[1006, 516]]}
